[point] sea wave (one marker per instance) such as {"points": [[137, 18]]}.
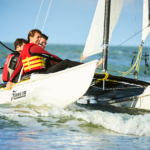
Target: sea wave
{"points": [[46, 110]]}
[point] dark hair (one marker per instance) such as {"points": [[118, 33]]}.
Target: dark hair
{"points": [[44, 36], [32, 32], [19, 42]]}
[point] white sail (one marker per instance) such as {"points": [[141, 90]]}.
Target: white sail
{"points": [[116, 6], [95, 37], [146, 31]]}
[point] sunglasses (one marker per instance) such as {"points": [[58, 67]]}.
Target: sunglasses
{"points": [[42, 43]]}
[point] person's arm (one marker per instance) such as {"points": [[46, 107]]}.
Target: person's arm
{"points": [[37, 50], [99, 63], [82, 57], [17, 69]]}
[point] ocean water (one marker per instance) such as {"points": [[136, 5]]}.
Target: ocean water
{"points": [[39, 123]]}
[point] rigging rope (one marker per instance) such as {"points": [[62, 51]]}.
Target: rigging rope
{"points": [[131, 37], [47, 14], [136, 64], [113, 71], [38, 14], [15, 52], [7, 47], [105, 78], [138, 60]]}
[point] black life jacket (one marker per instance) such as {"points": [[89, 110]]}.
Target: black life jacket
{"points": [[9, 66]]}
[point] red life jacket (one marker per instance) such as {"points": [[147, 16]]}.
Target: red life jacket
{"points": [[31, 63], [6, 71]]}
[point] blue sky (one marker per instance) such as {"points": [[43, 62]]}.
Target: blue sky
{"points": [[68, 21]]}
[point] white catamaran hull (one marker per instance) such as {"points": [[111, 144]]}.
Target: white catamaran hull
{"points": [[65, 86], [142, 101]]}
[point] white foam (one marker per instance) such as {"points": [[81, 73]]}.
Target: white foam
{"points": [[121, 123], [43, 106]]}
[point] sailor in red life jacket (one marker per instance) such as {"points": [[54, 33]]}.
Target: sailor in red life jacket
{"points": [[12, 58], [32, 59]]}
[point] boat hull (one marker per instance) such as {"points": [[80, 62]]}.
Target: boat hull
{"points": [[64, 87], [141, 101]]}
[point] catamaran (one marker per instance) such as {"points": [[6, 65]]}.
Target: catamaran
{"points": [[75, 83], [107, 89]]}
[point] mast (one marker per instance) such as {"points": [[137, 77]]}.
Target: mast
{"points": [[149, 11], [106, 34]]}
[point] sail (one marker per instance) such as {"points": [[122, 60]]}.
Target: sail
{"points": [[116, 6], [95, 37], [146, 19]]}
